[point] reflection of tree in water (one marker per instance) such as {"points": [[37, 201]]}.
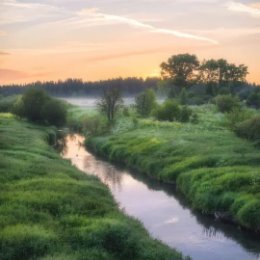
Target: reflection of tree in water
{"points": [[106, 172], [61, 144]]}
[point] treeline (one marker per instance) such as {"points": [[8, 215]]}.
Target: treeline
{"points": [[76, 87], [197, 82]]}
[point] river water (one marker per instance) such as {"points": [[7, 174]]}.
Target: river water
{"points": [[163, 212]]}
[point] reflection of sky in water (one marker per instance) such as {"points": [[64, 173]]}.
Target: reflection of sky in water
{"points": [[162, 214]]}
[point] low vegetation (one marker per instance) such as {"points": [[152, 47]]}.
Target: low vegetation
{"points": [[51, 211], [215, 170], [36, 106]]}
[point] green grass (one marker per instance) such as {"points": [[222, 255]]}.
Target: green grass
{"points": [[214, 169], [51, 211]]}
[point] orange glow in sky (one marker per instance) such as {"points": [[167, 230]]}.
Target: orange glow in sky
{"points": [[94, 40]]}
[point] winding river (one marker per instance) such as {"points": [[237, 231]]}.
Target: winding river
{"points": [[163, 212]]}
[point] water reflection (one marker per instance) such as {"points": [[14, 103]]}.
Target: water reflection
{"points": [[164, 212]]}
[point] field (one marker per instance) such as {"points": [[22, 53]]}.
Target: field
{"points": [[51, 211], [217, 172]]}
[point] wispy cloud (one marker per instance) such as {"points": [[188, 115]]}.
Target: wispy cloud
{"points": [[13, 11], [123, 55], [4, 53], [92, 17], [10, 74], [243, 8]]}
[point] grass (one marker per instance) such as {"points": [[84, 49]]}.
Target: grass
{"points": [[51, 211], [214, 169]]}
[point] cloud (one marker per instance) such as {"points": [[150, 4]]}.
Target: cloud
{"points": [[9, 74], [91, 17], [13, 11], [123, 55], [172, 220], [242, 8], [4, 53]]}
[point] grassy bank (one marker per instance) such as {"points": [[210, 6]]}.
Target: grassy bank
{"points": [[49, 210], [214, 169]]}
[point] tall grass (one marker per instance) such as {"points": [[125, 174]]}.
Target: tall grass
{"points": [[214, 169], [49, 210]]}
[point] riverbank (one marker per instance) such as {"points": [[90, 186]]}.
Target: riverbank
{"points": [[217, 172], [49, 210]]}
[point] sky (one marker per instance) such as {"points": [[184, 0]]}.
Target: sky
{"points": [[95, 40]]}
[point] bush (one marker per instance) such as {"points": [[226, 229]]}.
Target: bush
{"points": [[6, 103], [145, 102], [168, 111], [254, 98], [250, 129], [54, 112], [95, 125], [227, 103], [185, 114], [236, 116], [37, 106]]}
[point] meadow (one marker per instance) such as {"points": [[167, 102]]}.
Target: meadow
{"points": [[51, 211], [216, 171]]}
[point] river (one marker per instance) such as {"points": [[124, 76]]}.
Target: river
{"points": [[163, 212]]}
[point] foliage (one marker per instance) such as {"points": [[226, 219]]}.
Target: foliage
{"points": [[6, 103], [180, 69], [226, 103], [250, 129], [168, 111], [110, 102], [185, 114], [254, 98], [95, 125], [219, 72], [171, 111], [214, 169], [54, 112], [145, 102], [236, 116], [41, 215], [37, 106]]}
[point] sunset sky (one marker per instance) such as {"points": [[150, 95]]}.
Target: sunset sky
{"points": [[101, 39]]}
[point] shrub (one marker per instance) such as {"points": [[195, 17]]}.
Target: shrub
{"points": [[145, 102], [54, 112], [95, 125], [227, 103], [254, 98], [37, 106], [185, 114], [250, 129], [236, 116], [168, 111]]}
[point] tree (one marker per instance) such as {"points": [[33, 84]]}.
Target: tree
{"points": [[221, 72], [145, 102], [181, 69], [110, 102]]}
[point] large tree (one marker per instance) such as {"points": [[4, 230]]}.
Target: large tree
{"points": [[110, 102], [222, 72], [181, 69]]}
